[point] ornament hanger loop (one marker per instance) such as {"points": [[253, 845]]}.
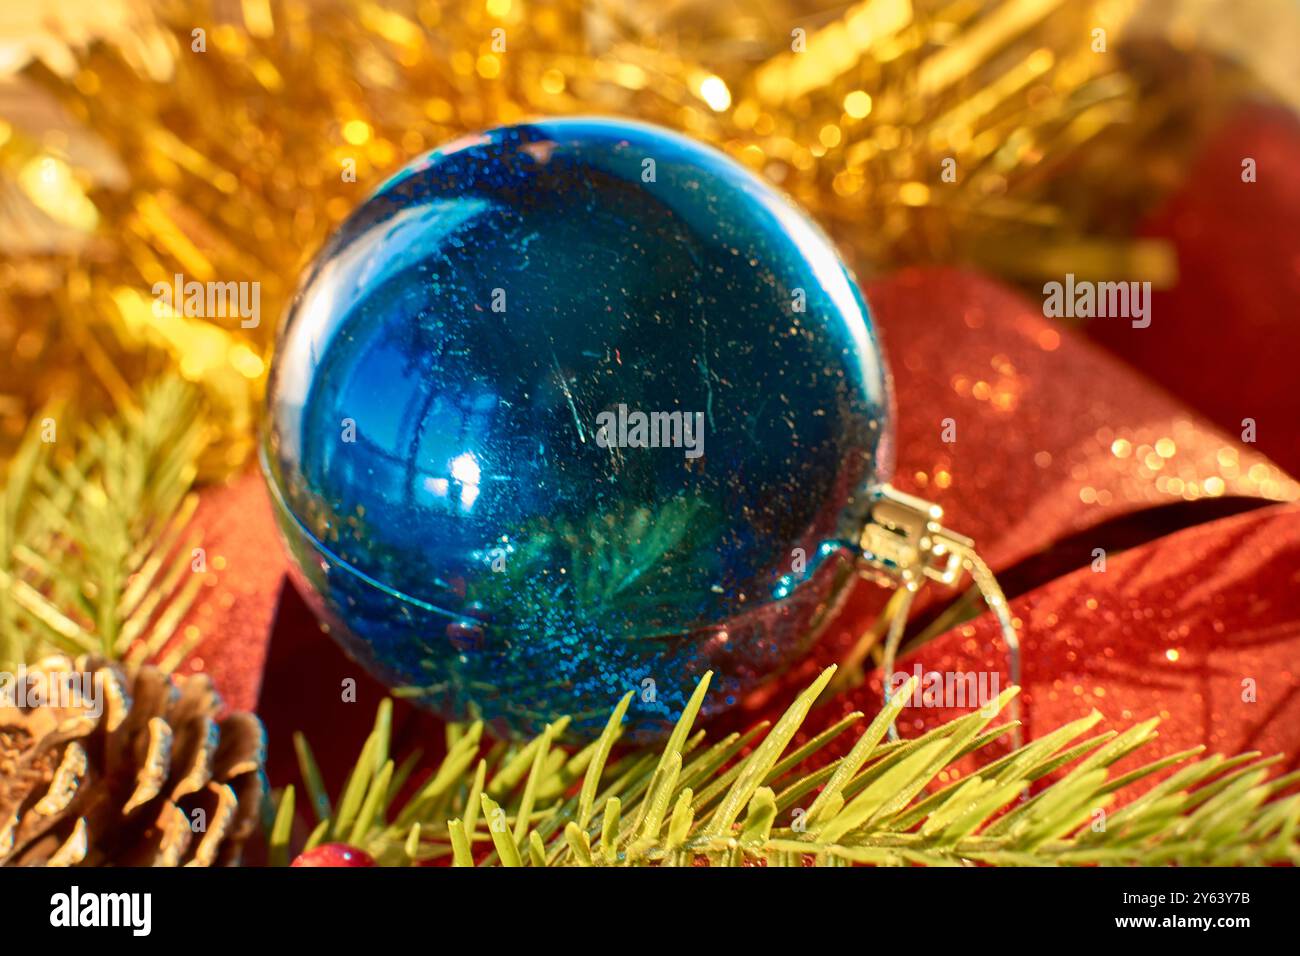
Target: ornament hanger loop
{"points": [[903, 546]]}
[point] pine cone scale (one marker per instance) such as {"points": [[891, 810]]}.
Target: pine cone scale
{"points": [[154, 765], [63, 788], [196, 755]]}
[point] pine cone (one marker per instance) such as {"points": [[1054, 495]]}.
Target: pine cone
{"points": [[122, 782]]}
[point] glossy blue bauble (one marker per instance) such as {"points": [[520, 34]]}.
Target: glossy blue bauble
{"points": [[452, 439]]}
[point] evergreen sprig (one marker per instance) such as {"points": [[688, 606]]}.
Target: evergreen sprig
{"points": [[749, 799], [96, 544]]}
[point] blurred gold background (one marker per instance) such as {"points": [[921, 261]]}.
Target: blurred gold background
{"points": [[141, 140]]}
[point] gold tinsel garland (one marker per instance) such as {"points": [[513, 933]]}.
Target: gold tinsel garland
{"points": [[214, 139]]}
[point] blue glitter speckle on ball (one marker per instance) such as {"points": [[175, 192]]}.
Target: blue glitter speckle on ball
{"points": [[571, 409]]}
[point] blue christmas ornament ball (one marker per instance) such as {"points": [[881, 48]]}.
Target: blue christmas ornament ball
{"points": [[571, 409]]}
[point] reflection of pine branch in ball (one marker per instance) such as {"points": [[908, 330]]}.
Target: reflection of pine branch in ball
{"points": [[624, 550], [620, 565], [611, 578]]}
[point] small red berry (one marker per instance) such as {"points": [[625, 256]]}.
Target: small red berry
{"points": [[334, 854]]}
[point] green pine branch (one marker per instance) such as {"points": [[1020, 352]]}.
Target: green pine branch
{"points": [[747, 798], [96, 545]]}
